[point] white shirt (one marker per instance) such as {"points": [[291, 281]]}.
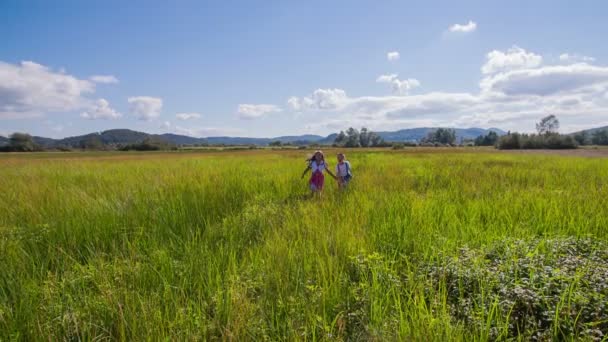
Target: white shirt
{"points": [[317, 167], [342, 169]]}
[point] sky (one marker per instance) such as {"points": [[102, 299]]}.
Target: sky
{"points": [[272, 68]]}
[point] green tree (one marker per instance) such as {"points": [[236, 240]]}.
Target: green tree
{"points": [[548, 125], [364, 137], [442, 136], [92, 142], [489, 139], [340, 139], [21, 142], [352, 138], [375, 139], [600, 137], [582, 138]]}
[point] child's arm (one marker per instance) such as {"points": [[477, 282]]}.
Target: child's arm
{"points": [[331, 174], [304, 174]]}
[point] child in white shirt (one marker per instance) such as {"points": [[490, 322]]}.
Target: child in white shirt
{"points": [[343, 171], [317, 165]]}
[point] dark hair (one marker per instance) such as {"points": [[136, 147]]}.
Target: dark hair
{"points": [[312, 158]]}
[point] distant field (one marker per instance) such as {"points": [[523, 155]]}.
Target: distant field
{"points": [[427, 244]]}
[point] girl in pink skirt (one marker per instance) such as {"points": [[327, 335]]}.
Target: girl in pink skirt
{"points": [[317, 165]]}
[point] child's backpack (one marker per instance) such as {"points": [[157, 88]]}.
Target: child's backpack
{"points": [[349, 174]]}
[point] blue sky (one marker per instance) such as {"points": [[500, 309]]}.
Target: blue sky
{"points": [[284, 67]]}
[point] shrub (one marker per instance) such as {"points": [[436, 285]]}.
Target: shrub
{"points": [[487, 140], [536, 141], [149, 144], [509, 142]]}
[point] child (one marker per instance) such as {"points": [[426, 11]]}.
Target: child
{"points": [[343, 171], [317, 165]]}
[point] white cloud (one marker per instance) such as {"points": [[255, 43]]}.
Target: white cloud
{"points": [[187, 116], [100, 110], [207, 131], [565, 57], [165, 125], [295, 103], [400, 87], [514, 58], [145, 107], [320, 99], [393, 56], [255, 111], [466, 28], [106, 79], [29, 89], [547, 80], [516, 90]]}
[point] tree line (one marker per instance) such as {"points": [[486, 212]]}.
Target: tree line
{"points": [[355, 138], [546, 137], [23, 142], [599, 137]]}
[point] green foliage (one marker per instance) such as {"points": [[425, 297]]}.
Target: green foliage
{"points": [[228, 246], [354, 138], [149, 144], [548, 125], [514, 141], [445, 136], [582, 138], [489, 139], [600, 137], [21, 142], [91, 142], [537, 289]]}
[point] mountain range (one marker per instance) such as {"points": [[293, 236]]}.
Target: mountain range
{"points": [[590, 131], [127, 136]]}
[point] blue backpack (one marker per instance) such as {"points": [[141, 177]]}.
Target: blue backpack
{"points": [[349, 175]]}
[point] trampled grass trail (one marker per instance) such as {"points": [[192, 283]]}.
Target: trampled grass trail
{"points": [[425, 245]]}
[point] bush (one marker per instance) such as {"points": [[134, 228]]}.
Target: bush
{"points": [[487, 140], [443, 136], [556, 141], [515, 141], [149, 144], [528, 287], [509, 142]]}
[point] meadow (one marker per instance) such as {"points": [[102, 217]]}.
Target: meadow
{"points": [[426, 244]]}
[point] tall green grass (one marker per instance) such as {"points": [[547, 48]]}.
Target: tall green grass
{"points": [[193, 246]]}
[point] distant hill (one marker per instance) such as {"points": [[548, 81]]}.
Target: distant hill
{"points": [[182, 139], [127, 136], [590, 131], [296, 138], [417, 134], [44, 141], [110, 137]]}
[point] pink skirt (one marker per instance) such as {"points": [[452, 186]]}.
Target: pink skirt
{"points": [[316, 181]]}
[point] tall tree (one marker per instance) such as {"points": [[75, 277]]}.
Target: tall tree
{"points": [[340, 139], [21, 142], [364, 137], [352, 139], [547, 125]]}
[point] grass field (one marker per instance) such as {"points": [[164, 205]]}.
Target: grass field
{"points": [[437, 244]]}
